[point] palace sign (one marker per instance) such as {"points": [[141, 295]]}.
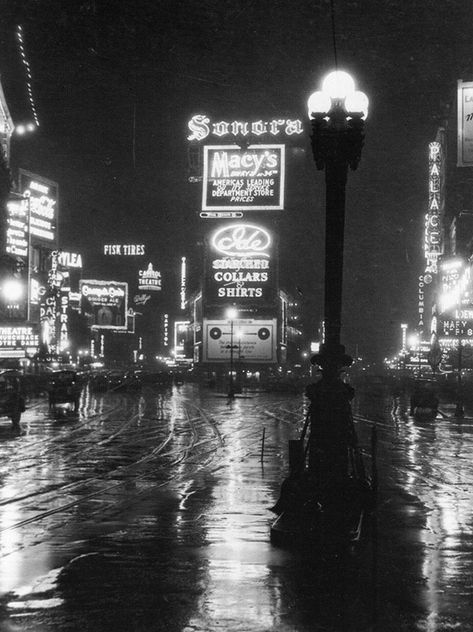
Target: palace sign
{"points": [[250, 179], [433, 225]]}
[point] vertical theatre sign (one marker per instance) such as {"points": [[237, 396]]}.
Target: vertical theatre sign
{"points": [[433, 224], [245, 179], [465, 124]]}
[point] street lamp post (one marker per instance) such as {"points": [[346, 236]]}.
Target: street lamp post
{"points": [[328, 498], [231, 315], [337, 115]]}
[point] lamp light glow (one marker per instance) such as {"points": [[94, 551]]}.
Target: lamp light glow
{"points": [[357, 102], [318, 103], [338, 84], [13, 290], [231, 313]]}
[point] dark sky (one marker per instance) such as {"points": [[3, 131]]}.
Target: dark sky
{"points": [[101, 67]]}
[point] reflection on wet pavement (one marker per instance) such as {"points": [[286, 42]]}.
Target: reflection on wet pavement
{"points": [[150, 512]]}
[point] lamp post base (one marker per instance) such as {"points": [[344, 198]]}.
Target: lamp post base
{"points": [[324, 501], [459, 410]]}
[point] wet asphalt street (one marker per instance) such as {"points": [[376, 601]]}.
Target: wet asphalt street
{"points": [[150, 511]]}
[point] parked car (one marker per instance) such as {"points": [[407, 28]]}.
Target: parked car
{"points": [[12, 400], [64, 388]]}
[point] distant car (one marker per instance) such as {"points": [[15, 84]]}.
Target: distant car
{"points": [[424, 400], [12, 401], [115, 379], [99, 382], [64, 388], [157, 378]]}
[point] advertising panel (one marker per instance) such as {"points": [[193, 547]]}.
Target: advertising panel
{"points": [[42, 195], [105, 303], [18, 337], [17, 228], [465, 124], [249, 179], [451, 271], [252, 340], [241, 264]]}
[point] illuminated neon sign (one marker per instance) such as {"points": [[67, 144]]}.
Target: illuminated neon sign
{"points": [[130, 250], [42, 196], [149, 279], [237, 178], [242, 240], [105, 303], [433, 226], [69, 259], [243, 266], [18, 337], [183, 282], [17, 228], [201, 127]]}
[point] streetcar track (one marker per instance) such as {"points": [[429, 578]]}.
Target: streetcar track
{"points": [[119, 470]]}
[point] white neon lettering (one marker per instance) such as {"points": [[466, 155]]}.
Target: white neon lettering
{"points": [[242, 240]]}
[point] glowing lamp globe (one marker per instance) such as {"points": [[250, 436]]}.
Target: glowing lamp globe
{"points": [[338, 84], [231, 313], [13, 290], [318, 103], [357, 102]]}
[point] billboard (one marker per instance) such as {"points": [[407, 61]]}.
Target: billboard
{"points": [[43, 197], [465, 124], [16, 338], [245, 179], [105, 303], [240, 264], [252, 340]]}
